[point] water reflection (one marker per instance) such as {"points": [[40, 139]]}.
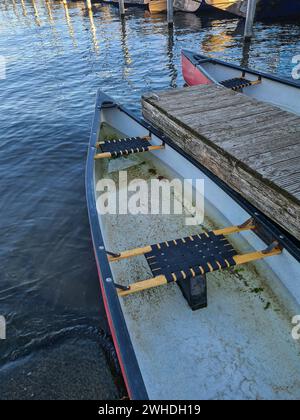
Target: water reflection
{"points": [[48, 4], [189, 22], [170, 55], [36, 13], [23, 8], [216, 36], [69, 22], [246, 54], [93, 29], [15, 8], [125, 49]]}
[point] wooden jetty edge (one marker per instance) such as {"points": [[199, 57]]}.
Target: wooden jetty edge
{"points": [[252, 146]]}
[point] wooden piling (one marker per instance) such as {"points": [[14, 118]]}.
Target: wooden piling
{"points": [[170, 12], [122, 8], [251, 9], [89, 4]]}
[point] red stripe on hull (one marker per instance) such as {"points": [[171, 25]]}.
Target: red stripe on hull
{"points": [[112, 328], [192, 75]]}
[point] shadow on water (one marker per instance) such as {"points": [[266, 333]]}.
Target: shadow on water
{"points": [[57, 55]]}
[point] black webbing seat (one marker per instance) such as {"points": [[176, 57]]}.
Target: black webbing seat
{"points": [[125, 147], [190, 257], [186, 261], [237, 83]]}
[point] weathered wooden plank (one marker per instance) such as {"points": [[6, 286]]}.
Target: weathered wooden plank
{"points": [[281, 129], [239, 121], [195, 102], [260, 143], [218, 113], [203, 103], [224, 132], [297, 194], [229, 121], [171, 98], [252, 146], [281, 154], [280, 169], [203, 106], [207, 99], [290, 183], [217, 122], [165, 95]]}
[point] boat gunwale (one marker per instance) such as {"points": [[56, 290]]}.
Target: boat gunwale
{"points": [[190, 55], [126, 354]]}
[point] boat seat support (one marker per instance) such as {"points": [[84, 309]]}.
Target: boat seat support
{"points": [[121, 287], [239, 83], [186, 261], [195, 291], [125, 147]]}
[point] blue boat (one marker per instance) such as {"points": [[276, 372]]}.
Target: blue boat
{"points": [[281, 9], [266, 9]]}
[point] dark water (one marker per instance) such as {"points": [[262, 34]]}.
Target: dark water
{"points": [[57, 56]]}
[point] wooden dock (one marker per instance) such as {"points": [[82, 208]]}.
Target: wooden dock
{"points": [[251, 145]]}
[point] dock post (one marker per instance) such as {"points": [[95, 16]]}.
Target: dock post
{"points": [[251, 9], [170, 12], [89, 4], [122, 8]]}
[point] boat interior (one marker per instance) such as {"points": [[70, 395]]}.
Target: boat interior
{"points": [[239, 346]]}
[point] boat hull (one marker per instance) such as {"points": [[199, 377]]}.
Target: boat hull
{"points": [[193, 76], [266, 9], [190, 6], [157, 6], [278, 9]]}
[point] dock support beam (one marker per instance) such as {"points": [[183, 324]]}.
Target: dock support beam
{"points": [[170, 12], [251, 9], [121, 8]]}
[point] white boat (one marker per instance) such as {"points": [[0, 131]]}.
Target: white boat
{"points": [[187, 5], [199, 69], [240, 344], [158, 6]]}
